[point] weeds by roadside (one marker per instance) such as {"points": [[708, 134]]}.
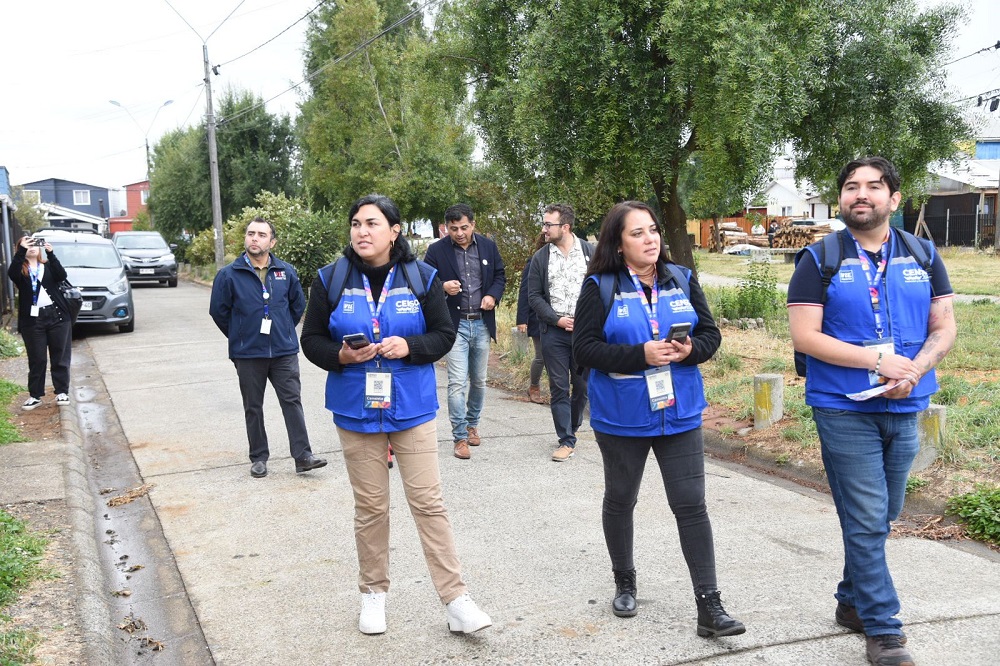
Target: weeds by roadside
{"points": [[20, 556], [8, 432], [980, 512]]}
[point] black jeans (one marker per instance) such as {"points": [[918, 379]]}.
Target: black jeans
{"points": [[682, 465], [284, 375], [567, 412], [50, 334]]}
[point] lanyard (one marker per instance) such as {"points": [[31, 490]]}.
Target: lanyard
{"points": [[383, 297], [266, 295], [35, 282], [648, 306], [874, 281]]}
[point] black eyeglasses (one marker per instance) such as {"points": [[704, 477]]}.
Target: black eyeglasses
{"points": [[546, 225]]}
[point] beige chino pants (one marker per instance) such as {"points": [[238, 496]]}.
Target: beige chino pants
{"points": [[417, 461]]}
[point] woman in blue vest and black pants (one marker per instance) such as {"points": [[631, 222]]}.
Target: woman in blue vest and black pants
{"points": [[379, 345], [643, 347]]}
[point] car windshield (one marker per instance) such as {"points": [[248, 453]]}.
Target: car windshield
{"points": [[86, 255], [141, 243]]}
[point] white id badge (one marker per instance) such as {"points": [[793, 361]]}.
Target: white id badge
{"points": [[886, 349], [34, 310], [660, 387], [265, 326], [378, 389]]}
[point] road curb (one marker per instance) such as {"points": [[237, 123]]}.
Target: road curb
{"points": [[799, 471], [93, 611]]}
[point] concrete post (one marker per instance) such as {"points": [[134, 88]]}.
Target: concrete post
{"points": [[930, 433], [522, 344], [768, 400]]}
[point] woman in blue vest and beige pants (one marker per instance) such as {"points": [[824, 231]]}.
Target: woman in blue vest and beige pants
{"points": [[645, 393], [384, 390]]}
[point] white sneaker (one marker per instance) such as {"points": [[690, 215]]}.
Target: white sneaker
{"points": [[465, 617], [372, 620], [62, 399], [30, 404]]}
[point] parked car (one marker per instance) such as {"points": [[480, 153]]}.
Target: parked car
{"points": [[147, 257], [834, 223], [94, 266]]}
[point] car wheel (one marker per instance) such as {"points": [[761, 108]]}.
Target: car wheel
{"points": [[172, 282], [127, 328]]}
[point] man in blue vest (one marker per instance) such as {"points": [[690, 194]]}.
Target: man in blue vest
{"points": [[472, 274], [256, 302], [872, 338]]}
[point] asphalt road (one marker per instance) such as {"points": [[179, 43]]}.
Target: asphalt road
{"points": [[270, 570]]}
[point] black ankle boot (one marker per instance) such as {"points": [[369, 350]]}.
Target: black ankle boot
{"points": [[713, 621], [624, 604]]}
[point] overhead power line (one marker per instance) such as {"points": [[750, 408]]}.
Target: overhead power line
{"points": [[330, 63], [982, 50], [980, 97], [304, 17]]}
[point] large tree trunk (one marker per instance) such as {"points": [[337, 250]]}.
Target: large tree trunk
{"points": [[674, 220]]}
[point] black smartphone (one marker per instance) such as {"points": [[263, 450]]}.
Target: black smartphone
{"points": [[38, 242], [679, 332], [356, 340]]}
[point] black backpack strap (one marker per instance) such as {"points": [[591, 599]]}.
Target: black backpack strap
{"points": [[919, 252], [680, 278], [831, 254], [411, 271], [609, 285], [334, 277]]}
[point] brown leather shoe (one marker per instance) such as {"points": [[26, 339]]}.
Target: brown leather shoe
{"points": [[474, 436], [535, 394], [462, 449]]}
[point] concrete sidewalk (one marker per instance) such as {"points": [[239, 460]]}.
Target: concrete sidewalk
{"points": [[270, 566]]}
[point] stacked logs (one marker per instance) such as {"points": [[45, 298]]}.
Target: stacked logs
{"points": [[731, 234], [791, 236]]}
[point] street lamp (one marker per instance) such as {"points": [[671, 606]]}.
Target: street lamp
{"points": [[145, 134]]}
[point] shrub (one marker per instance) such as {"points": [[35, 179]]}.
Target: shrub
{"points": [[756, 296], [980, 512]]}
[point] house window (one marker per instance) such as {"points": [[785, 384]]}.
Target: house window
{"points": [[786, 211], [81, 197], [31, 196], [144, 196]]}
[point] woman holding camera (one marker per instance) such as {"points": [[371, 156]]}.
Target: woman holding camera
{"points": [[643, 326], [43, 317], [378, 334]]}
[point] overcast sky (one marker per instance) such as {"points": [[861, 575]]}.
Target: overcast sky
{"points": [[65, 59]]}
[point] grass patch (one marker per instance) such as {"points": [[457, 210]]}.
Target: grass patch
{"points": [[980, 512], [20, 556], [10, 345], [8, 432]]}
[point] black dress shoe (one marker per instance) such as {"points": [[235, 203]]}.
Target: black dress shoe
{"points": [[258, 469], [308, 463]]}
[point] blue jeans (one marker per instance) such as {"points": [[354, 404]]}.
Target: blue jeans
{"points": [[867, 459], [467, 362]]}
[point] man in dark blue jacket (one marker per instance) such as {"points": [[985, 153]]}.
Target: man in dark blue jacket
{"points": [[256, 302], [473, 277]]}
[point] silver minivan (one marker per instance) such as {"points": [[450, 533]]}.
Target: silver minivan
{"points": [[93, 265]]}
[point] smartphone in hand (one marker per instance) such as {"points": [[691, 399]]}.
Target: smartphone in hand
{"points": [[679, 331], [356, 340]]}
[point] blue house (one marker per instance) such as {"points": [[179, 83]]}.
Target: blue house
{"points": [[89, 199]]}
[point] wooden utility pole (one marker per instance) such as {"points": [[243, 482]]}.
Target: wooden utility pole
{"points": [[213, 168]]}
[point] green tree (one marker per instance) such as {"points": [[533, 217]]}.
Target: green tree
{"points": [[255, 155], [30, 218], [389, 119], [624, 92]]}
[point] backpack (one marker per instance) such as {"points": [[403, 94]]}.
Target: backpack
{"points": [[609, 285], [334, 277], [831, 253]]}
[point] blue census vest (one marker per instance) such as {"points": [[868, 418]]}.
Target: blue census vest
{"points": [[414, 387], [848, 316], [619, 403]]}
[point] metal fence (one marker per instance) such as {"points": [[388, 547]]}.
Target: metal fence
{"points": [[966, 230]]}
